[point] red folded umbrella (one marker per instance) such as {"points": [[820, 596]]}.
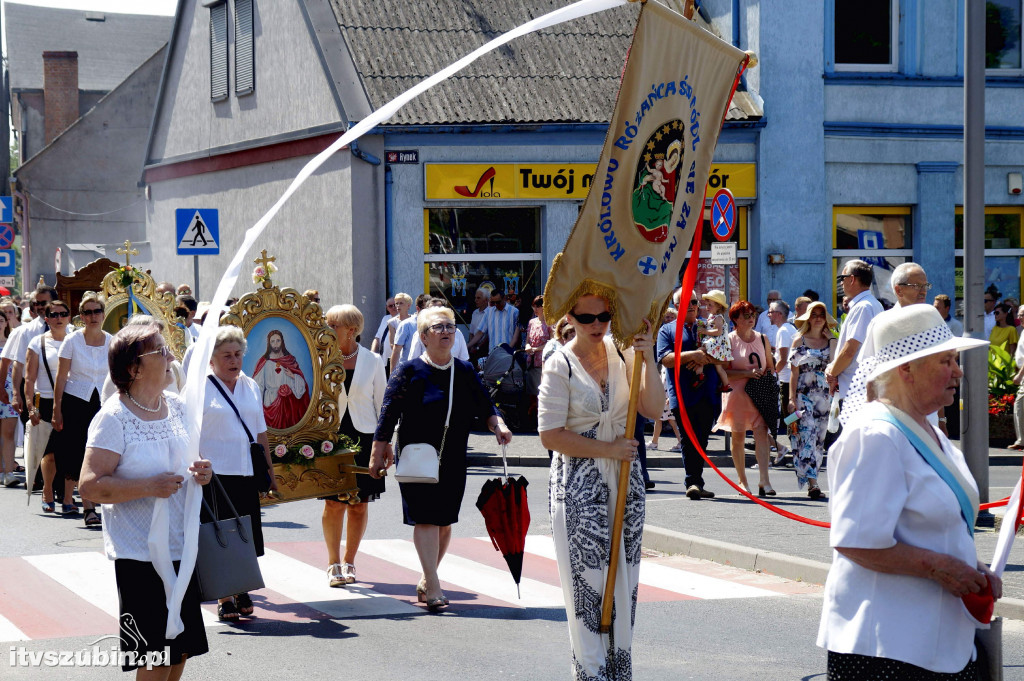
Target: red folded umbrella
{"points": [[502, 502]]}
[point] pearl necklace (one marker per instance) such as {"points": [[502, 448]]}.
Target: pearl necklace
{"points": [[160, 403], [440, 367], [346, 358]]}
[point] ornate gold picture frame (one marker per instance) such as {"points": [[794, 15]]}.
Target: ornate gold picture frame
{"points": [[294, 358], [146, 301]]}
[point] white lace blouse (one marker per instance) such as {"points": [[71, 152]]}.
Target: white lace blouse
{"points": [[146, 448], [89, 365]]}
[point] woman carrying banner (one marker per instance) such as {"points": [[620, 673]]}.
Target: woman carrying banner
{"points": [[584, 398], [903, 508], [425, 394]]}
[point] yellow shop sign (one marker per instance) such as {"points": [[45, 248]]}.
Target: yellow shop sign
{"points": [[551, 181]]}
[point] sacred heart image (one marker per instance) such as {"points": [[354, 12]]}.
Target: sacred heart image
{"points": [[656, 181]]}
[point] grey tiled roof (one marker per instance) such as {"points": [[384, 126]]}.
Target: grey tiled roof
{"points": [[108, 50], [568, 73]]}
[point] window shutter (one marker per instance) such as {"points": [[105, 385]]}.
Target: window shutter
{"points": [[245, 58], [219, 52]]}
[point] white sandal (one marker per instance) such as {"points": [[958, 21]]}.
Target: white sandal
{"points": [[348, 573], [336, 575]]}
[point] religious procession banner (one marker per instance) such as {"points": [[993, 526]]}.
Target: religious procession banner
{"points": [[647, 198]]}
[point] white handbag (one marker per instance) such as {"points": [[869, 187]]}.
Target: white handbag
{"points": [[419, 461]]}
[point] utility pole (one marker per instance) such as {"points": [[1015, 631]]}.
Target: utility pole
{"points": [[974, 394]]}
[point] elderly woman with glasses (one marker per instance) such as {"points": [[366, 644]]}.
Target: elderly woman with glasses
{"points": [[903, 510], [438, 399], [81, 372], [751, 358]]}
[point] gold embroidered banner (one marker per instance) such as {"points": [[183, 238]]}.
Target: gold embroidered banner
{"points": [[637, 222]]}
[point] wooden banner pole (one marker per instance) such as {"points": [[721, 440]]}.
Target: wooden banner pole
{"points": [[620, 501]]}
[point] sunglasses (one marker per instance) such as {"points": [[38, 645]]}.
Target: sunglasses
{"points": [[842, 277], [90, 313], [39, 304], [585, 318], [163, 351], [442, 328], [55, 315]]}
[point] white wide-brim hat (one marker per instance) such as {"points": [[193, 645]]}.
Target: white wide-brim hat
{"points": [[908, 333]]}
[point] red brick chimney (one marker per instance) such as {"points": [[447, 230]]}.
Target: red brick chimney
{"points": [[60, 92]]}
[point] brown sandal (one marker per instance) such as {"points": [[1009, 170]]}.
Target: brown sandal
{"points": [[91, 517]]}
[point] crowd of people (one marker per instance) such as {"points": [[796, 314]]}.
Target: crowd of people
{"points": [[96, 407]]}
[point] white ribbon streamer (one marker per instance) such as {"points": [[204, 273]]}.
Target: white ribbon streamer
{"points": [[1007, 532], [195, 385]]}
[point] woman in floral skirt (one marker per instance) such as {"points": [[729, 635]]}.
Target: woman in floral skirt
{"points": [[813, 348]]}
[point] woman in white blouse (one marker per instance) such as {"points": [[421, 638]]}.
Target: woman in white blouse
{"points": [[225, 442], [137, 464], [583, 400], [359, 404], [903, 511], [76, 396], [41, 361]]}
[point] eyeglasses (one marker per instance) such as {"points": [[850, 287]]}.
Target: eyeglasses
{"points": [[585, 318], [55, 315], [163, 351], [694, 303], [748, 315], [920, 287], [442, 328], [842, 277], [90, 313]]}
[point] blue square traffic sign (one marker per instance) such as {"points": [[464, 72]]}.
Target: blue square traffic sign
{"points": [[197, 231], [6, 209]]}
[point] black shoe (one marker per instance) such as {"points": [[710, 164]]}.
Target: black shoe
{"points": [[649, 484]]}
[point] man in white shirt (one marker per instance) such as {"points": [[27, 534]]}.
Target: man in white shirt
{"points": [[405, 334], [856, 280], [481, 299], [459, 348], [944, 305], [764, 322], [17, 345], [991, 298], [381, 341], [500, 324]]}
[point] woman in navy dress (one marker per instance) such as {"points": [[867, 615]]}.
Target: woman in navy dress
{"points": [[417, 395]]}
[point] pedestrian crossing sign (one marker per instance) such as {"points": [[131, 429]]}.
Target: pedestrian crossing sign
{"points": [[198, 231]]}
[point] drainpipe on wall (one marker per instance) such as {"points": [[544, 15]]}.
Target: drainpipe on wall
{"points": [[388, 228]]}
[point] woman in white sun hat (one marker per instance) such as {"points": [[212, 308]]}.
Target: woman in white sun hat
{"points": [[903, 510]]}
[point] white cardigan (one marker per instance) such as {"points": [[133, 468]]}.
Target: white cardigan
{"points": [[367, 393]]}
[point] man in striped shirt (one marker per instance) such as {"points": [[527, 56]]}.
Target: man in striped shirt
{"points": [[500, 324]]}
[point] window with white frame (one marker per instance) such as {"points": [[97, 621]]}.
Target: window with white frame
{"points": [[866, 35], [1003, 37]]}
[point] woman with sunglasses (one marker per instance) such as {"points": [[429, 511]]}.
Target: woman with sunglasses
{"points": [[41, 361], [584, 399], [8, 414], [438, 398], [738, 411], [76, 396]]}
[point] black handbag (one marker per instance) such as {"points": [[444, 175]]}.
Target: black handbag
{"points": [[226, 562], [260, 469], [764, 393]]}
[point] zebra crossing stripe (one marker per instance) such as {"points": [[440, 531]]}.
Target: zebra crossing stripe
{"points": [[471, 575], [682, 582], [308, 585], [9, 632]]}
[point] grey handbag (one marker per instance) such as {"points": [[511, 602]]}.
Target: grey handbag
{"points": [[226, 563]]}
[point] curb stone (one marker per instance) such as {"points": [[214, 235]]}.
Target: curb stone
{"points": [[772, 562]]}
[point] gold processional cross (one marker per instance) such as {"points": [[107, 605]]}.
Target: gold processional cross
{"points": [[128, 252]]}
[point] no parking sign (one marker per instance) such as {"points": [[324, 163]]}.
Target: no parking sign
{"points": [[723, 215]]}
